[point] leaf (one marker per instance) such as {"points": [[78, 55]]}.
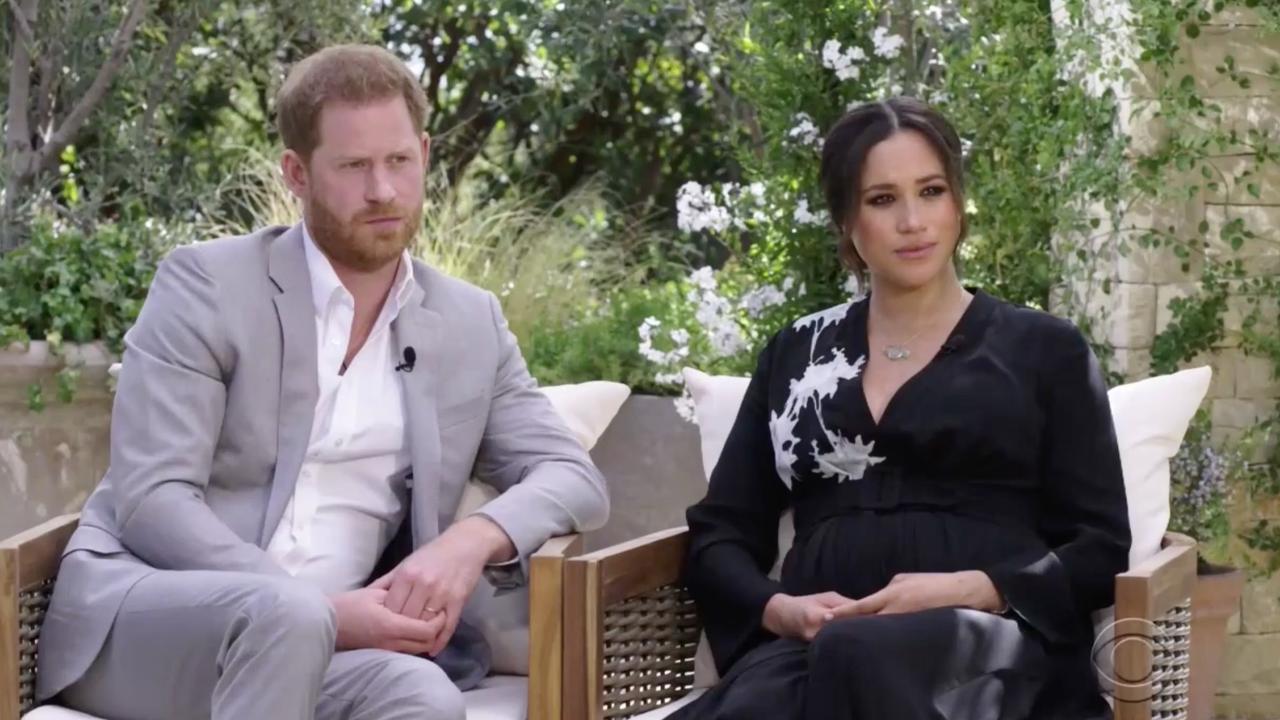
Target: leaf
{"points": [[1204, 227], [1254, 190], [1193, 30]]}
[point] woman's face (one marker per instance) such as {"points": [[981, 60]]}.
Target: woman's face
{"points": [[908, 217]]}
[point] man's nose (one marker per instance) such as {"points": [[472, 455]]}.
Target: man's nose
{"points": [[379, 189]]}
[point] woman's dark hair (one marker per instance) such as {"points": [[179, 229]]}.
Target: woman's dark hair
{"points": [[844, 152]]}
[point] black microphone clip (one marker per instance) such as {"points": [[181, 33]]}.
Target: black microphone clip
{"points": [[952, 344], [410, 359]]}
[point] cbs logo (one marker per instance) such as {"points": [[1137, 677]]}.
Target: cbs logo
{"points": [[1117, 654]]}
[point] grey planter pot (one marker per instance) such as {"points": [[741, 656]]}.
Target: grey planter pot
{"points": [[652, 460], [51, 459]]}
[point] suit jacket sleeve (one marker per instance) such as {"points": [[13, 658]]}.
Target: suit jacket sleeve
{"points": [[165, 424], [548, 483], [1084, 517]]}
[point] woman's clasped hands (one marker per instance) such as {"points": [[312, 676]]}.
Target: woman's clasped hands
{"points": [[803, 616]]}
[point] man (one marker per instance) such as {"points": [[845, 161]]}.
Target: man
{"points": [[295, 404]]}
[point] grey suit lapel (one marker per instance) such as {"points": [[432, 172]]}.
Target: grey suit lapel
{"points": [[420, 328], [299, 387]]}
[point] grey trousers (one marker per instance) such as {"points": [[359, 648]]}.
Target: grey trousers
{"points": [[238, 646]]}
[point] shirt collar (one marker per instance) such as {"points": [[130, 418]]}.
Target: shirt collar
{"points": [[325, 284]]}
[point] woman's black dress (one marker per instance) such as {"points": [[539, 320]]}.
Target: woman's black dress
{"points": [[1000, 456]]}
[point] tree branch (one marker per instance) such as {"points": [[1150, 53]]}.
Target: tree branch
{"points": [[24, 26], [50, 64], [75, 120], [17, 140]]}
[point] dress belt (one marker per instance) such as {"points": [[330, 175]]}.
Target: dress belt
{"points": [[891, 489]]}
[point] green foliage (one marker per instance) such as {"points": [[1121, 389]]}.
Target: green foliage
{"points": [[534, 93], [601, 345], [69, 285]]}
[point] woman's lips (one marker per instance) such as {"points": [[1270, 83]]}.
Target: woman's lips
{"points": [[915, 252]]}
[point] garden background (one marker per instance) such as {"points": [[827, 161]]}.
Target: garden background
{"points": [[636, 180]]}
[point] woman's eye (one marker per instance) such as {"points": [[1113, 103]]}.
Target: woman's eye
{"points": [[883, 199], [934, 191]]}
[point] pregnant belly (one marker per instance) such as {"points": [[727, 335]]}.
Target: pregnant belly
{"points": [[858, 553]]}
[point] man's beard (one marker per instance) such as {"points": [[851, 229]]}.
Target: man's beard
{"points": [[356, 245]]}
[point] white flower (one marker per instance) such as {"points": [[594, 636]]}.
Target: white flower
{"points": [[704, 278], [668, 378], [668, 358], [804, 131], [697, 209], [763, 298], [887, 46], [842, 61], [685, 407], [727, 339], [805, 216], [847, 460]]}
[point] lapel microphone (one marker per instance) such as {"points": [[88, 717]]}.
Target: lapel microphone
{"points": [[410, 358], [953, 344]]}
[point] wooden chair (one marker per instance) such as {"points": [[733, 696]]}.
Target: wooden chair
{"points": [[631, 630], [29, 569]]}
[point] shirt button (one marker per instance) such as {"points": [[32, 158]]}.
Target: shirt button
{"points": [[339, 443]]}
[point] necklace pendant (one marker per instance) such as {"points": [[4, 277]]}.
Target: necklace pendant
{"points": [[896, 352]]}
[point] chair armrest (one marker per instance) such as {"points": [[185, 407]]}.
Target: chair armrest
{"points": [[1153, 632], [631, 630], [546, 626], [28, 566]]}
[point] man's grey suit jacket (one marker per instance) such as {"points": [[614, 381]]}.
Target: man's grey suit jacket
{"points": [[213, 415]]}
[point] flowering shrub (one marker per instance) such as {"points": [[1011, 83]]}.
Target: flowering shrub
{"points": [[1199, 487], [994, 68]]}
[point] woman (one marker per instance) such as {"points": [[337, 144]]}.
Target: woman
{"points": [[951, 463]]}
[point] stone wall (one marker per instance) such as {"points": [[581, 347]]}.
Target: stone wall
{"points": [[50, 459], [1143, 282]]}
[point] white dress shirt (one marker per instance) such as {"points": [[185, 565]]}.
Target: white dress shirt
{"points": [[350, 496]]}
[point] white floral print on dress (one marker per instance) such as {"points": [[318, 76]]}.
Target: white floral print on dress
{"points": [[847, 460]]}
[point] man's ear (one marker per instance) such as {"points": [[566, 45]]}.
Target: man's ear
{"points": [[294, 171], [426, 151]]}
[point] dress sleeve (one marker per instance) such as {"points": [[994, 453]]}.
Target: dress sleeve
{"points": [[1083, 517], [734, 529]]}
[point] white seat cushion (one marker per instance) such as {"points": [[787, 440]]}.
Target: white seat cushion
{"points": [[666, 710], [499, 697]]}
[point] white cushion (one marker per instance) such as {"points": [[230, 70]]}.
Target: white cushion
{"points": [[499, 697], [587, 409], [1150, 416]]}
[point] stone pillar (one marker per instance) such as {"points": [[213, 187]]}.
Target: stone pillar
{"points": [[1142, 283]]}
